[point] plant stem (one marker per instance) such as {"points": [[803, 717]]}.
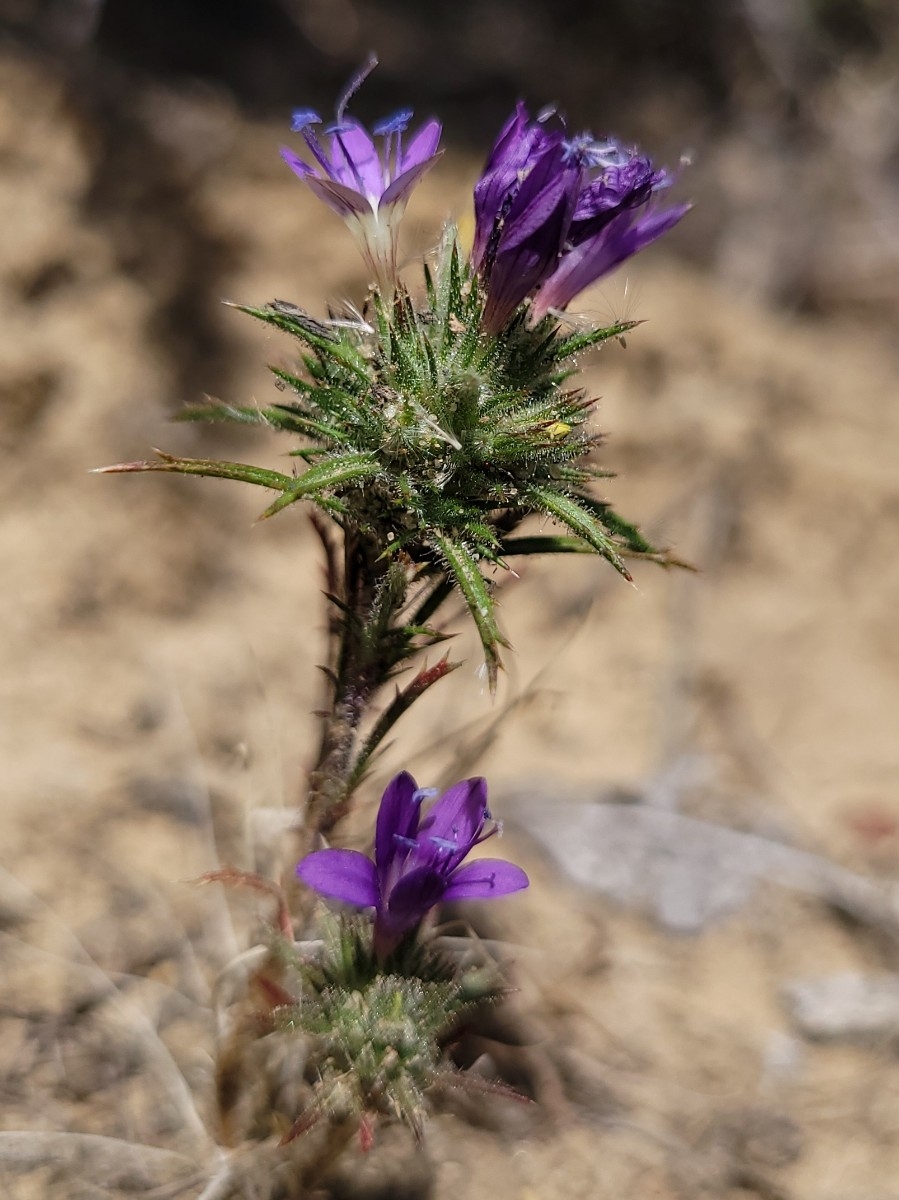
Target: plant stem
{"points": [[355, 676]]}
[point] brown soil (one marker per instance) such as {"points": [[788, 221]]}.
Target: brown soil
{"points": [[159, 654]]}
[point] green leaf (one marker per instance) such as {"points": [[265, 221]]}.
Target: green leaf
{"points": [[287, 418], [565, 347], [325, 341], [388, 599], [244, 472], [617, 526], [291, 319], [568, 511], [463, 568], [215, 411], [333, 402], [335, 472]]}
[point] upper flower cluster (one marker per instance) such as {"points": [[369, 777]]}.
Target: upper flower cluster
{"points": [[417, 861], [554, 214], [366, 184]]}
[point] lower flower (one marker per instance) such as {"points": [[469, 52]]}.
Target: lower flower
{"points": [[417, 860]]}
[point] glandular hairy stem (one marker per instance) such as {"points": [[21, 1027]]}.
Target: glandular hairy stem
{"points": [[356, 672]]}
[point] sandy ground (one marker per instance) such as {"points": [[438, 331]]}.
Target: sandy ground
{"points": [[159, 655]]}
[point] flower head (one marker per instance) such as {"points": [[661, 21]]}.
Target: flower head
{"points": [[554, 214], [366, 184], [417, 861]]}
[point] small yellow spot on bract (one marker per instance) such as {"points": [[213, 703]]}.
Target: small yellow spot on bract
{"points": [[558, 429]]}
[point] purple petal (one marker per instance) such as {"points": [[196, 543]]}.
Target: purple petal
{"points": [[508, 138], [484, 878], [355, 161], [346, 202], [496, 179], [422, 146], [546, 191], [596, 257], [518, 149], [296, 164], [414, 896], [343, 875], [455, 820], [617, 189], [399, 190], [398, 816], [532, 238]]}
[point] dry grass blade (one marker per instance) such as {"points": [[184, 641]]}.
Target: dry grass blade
{"points": [[121, 1164], [155, 1048]]}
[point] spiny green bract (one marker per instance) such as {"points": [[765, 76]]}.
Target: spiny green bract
{"points": [[433, 439], [378, 1031]]}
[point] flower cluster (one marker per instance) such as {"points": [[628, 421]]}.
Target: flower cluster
{"points": [[553, 215], [418, 861]]}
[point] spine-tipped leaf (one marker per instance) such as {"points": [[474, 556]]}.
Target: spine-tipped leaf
{"points": [[244, 472], [336, 473], [463, 569], [567, 511]]}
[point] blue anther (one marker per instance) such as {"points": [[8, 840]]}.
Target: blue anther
{"points": [[394, 124], [303, 118], [592, 152]]}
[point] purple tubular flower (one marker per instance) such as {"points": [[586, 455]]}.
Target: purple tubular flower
{"points": [[518, 145], [367, 185], [583, 264], [554, 215], [532, 235], [418, 862]]}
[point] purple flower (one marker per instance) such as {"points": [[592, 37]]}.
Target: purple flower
{"points": [[366, 184], [418, 861], [553, 215]]}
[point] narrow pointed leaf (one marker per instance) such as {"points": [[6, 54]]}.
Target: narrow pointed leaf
{"points": [[245, 472], [336, 472], [276, 416], [463, 568], [214, 412], [328, 401], [593, 337], [291, 319], [616, 525], [323, 340], [569, 512]]}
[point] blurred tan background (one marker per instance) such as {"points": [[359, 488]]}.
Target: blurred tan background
{"points": [[700, 773]]}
